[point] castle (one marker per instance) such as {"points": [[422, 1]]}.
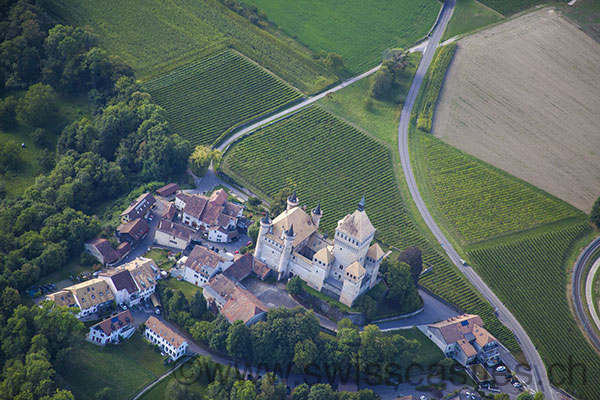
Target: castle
{"points": [[343, 268]]}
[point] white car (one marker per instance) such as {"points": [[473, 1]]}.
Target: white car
{"points": [[463, 262], [123, 306], [501, 368]]}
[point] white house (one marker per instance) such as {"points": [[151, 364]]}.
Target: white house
{"points": [[132, 282], [158, 333], [171, 234], [202, 264], [343, 268], [90, 296], [112, 329], [464, 339]]}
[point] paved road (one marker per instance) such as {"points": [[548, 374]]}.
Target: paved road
{"points": [[541, 381], [589, 289], [578, 272]]}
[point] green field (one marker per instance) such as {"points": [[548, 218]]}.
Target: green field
{"points": [[468, 16], [529, 275], [586, 14], [125, 368], [156, 36], [358, 30], [206, 98], [188, 289], [379, 118], [161, 258], [330, 161], [476, 201], [433, 84], [507, 7]]}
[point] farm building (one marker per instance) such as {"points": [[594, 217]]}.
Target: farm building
{"points": [[132, 231], [167, 190]]}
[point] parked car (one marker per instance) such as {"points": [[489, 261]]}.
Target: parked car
{"points": [[157, 310], [500, 368], [517, 385], [123, 306], [249, 243]]}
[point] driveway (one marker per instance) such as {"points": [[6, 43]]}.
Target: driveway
{"points": [[148, 241]]}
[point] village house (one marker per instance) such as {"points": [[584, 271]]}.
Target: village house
{"points": [[167, 190], [165, 338], [112, 329], [218, 290], [464, 339], [201, 265], [132, 231], [90, 296], [139, 208], [103, 251], [201, 212], [172, 234], [219, 234], [343, 268], [244, 306]]}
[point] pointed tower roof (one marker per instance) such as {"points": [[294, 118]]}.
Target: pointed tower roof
{"points": [[293, 197], [266, 219], [318, 209], [361, 204], [290, 232]]}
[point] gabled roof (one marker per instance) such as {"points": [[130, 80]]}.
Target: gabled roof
{"points": [[122, 279], [167, 190], [114, 323], [302, 222], [201, 257], [356, 225], [143, 271], [162, 330], [62, 298], [221, 285], [482, 336], [169, 212], [135, 228], [178, 230], [467, 348], [375, 252], [194, 205], [140, 206], [108, 253], [91, 293], [243, 266], [455, 328], [242, 305], [219, 197], [232, 209]]}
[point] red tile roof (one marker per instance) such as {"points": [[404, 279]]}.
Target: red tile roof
{"points": [[114, 323], [194, 206], [173, 229], [169, 212], [219, 197], [200, 257], [246, 264], [162, 330], [242, 306], [167, 190], [136, 228], [108, 253]]}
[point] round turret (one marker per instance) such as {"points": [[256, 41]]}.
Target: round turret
{"points": [[292, 201]]}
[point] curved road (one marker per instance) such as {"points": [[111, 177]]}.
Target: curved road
{"points": [[540, 381], [578, 272]]}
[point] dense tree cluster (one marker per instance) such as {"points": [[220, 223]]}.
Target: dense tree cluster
{"points": [[382, 82], [201, 158]]}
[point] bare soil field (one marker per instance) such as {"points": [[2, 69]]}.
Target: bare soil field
{"points": [[525, 96]]}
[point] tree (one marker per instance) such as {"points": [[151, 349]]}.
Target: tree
{"points": [[38, 106], [177, 391], [39, 137], [525, 396], [239, 343], [201, 159], [197, 305], [279, 203], [367, 306], [254, 201], [253, 231], [243, 390], [501, 396], [402, 290], [305, 353], [381, 83], [8, 113], [294, 285], [538, 396], [301, 392], [321, 391], [334, 62], [10, 156], [595, 214], [412, 256]]}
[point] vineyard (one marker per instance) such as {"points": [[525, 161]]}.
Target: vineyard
{"points": [[205, 99], [477, 201], [155, 36], [433, 85], [507, 7], [327, 160], [529, 275], [358, 30]]}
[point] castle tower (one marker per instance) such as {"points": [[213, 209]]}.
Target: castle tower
{"points": [[288, 240], [265, 227], [316, 214], [353, 276], [353, 235], [292, 201]]}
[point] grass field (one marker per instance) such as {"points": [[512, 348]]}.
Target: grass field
{"points": [[188, 289], [206, 98], [530, 276], [161, 258], [507, 7], [468, 16], [428, 353], [358, 30], [585, 13], [379, 118], [523, 96], [433, 84], [479, 202], [124, 368], [331, 173], [156, 36]]}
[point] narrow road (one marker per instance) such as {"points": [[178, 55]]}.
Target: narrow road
{"points": [[578, 272], [589, 292], [540, 381], [294, 109]]}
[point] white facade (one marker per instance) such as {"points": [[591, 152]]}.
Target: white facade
{"points": [[167, 240], [217, 235], [345, 267], [166, 340]]}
